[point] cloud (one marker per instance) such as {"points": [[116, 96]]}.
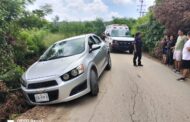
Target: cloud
{"points": [[115, 14], [123, 2], [81, 10], [74, 9], [150, 2], [81, 6]]}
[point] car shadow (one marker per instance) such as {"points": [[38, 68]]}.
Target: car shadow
{"points": [[121, 52]]}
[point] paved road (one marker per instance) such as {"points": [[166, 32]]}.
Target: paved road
{"points": [[130, 94]]}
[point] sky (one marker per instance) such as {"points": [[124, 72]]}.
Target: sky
{"points": [[82, 10]]}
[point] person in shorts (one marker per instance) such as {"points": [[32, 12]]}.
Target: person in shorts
{"points": [[177, 56], [186, 59]]}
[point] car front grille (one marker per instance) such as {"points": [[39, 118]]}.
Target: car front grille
{"points": [[42, 84], [124, 43], [53, 95]]}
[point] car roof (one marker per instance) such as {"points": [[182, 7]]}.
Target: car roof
{"points": [[75, 37]]}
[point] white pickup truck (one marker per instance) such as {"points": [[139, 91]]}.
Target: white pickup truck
{"points": [[119, 39]]}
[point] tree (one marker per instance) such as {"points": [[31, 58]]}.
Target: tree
{"points": [[33, 19], [55, 25], [152, 31], [47, 9], [128, 21], [10, 11], [99, 26], [13, 17], [173, 14]]}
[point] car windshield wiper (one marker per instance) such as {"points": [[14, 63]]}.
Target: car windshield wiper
{"points": [[54, 57], [51, 58], [46, 59]]}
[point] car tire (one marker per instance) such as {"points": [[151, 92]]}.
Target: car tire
{"points": [[109, 65], [94, 83]]}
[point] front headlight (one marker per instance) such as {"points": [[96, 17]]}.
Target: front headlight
{"points": [[65, 76], [115, 42], [73, 73]]}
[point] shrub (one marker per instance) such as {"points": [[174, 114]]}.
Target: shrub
{"points": [[29, 45], [152, 31], [12, 77]]}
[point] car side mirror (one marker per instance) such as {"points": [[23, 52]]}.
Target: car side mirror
{"points": [[94, 47], [107, 34]]}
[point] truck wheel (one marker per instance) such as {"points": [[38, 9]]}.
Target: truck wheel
{"points": [[94, 83]]}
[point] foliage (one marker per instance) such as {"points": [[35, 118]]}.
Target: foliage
{"points": [[10, 10], [17, 44], [152, 31], [12, 77], [51, 38], [31, 20], [139, 22], [173, 14], [6, 58], [77, 28], [21, 35], [33, 38], [128, 21]]}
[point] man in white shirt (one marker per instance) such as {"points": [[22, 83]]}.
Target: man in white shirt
{"points": [[177, 56], [186, 59]]}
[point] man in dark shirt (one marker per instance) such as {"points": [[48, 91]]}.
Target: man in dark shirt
{"points": [[137, 49], [170, 47]]}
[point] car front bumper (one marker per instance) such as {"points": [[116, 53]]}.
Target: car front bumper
{"points": [[122, 47], [63, 92]]}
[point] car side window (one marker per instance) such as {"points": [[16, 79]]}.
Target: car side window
{"points": [[96, 39], [91, 41]]}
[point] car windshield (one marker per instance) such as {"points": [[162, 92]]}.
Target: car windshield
{"points": [[120, 33], [64, 49]]}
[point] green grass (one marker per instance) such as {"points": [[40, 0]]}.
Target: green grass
{"points": [[51, 38]]}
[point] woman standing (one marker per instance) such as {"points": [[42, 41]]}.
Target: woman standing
{"points": [[164, 49]]}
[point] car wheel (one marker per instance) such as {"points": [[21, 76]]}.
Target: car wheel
{"points": [[109, 65], [94, 83]]}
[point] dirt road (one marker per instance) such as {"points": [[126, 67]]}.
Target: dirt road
{"points": [[130, 94]]}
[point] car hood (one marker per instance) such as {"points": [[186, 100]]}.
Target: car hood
{"points": [[42, 69], [123, 38]]}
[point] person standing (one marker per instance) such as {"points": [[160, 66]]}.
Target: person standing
{"points": [[178, 50], [170, 46], [164, 50], [186, 59], [137, 49]]}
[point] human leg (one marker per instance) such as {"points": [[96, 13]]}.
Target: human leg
{"points": [[139, 58], [134, 59]]}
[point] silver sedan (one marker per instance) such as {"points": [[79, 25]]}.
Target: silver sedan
{"points": [[69, 69]]}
